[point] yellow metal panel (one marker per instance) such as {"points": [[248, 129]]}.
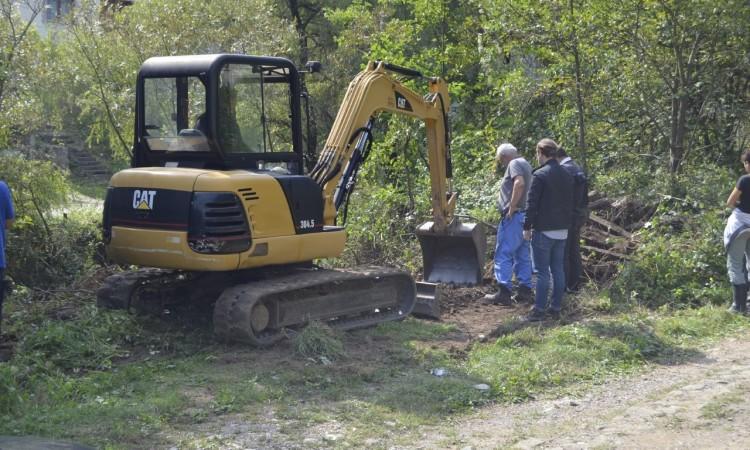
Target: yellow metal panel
{"points": [[269, 215], [166, 249], [296, 248], [179, 179]]}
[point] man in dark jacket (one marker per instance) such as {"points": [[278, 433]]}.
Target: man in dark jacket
{"points": [[549, 213], [573, 264]]}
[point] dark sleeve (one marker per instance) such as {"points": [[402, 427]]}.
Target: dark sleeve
{"points": [[743, 184], [532, 202]]}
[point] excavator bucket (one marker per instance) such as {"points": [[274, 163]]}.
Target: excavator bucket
{"points": [[454, 256]]}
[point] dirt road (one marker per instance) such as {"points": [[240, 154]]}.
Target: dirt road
{"points": [[703, 403]]}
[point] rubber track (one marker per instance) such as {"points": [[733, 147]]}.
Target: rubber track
{"points": [[234, 307], [116, 290]]}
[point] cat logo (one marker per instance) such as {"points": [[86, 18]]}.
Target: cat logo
{"points": [[143, 199], [403, 103]]}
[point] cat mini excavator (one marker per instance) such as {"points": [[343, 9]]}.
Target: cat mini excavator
{"points": [[216, 206]]}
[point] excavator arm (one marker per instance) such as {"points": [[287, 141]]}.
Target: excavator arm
{"points": [[452, 251], [372, 91]]}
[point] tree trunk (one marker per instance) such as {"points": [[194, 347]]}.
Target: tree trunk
{"points": [[311, 152], [580, 107]]}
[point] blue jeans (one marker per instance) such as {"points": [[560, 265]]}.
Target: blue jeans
{"points": [[512, 252], [549, 256]]}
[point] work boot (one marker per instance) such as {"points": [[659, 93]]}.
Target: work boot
{"points": [[553, 315], [535, 315], [739, 295], [501, 297], [524, 294]]}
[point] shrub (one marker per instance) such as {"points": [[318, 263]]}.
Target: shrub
{"points": [[681, 261], [47, 246]]}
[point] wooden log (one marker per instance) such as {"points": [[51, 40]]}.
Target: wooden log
{"points": [[610, 226], [606, 252]]}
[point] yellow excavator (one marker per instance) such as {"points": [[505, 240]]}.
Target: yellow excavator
{"points": [[217, 208]]}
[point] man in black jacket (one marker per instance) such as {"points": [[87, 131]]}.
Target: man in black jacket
{"points": [[573, 264], [549, 213]]}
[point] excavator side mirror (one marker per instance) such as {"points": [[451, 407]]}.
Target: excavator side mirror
{"points": [[313, 66]]}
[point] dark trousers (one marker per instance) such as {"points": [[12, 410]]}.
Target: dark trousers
{"points": [[573, 264]]}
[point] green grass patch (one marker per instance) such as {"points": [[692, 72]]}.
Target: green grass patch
{"points": [[533, 360], [116, 381], [724, 406], [318, 340], [95, 190]]}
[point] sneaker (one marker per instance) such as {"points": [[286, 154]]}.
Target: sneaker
{"points": [[501, 297], [524, 295], [552, 314], [535, 315]]}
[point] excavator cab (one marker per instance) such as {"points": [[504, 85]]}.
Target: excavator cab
{"points": [[219, 112]]}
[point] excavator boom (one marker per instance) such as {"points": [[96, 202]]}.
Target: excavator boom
{"points": [[453, 251]]}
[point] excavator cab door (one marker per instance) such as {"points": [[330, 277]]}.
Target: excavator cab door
{"points": [[455, 256]]}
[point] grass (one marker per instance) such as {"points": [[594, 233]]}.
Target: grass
{"points": [[114, 381], [530, 361], [95, 190], [724, 406]]}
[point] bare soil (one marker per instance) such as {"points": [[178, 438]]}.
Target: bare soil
{"points": [[475, 320]]}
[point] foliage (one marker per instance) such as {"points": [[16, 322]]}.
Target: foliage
{"points": [[318, 340], [90, 342], [681, 261], [47, 246]]}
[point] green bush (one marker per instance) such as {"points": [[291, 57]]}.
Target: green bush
{"points": [[681, 260], [47, 246], [55, 254]]}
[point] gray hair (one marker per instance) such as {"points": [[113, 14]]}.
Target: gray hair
{"points": [[506, 149]]}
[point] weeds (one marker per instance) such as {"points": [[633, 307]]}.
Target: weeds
{"points": [[318, 341], [526, 362]]}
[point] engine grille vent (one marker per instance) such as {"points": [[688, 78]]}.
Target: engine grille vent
{"points": [[224, 218], [248, 194]]}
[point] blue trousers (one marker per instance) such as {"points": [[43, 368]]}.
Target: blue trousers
{"points": [[2, 292], [512, 252], [549, 256]]}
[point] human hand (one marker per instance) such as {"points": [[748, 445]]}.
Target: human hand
{"points": [[527, 235]]}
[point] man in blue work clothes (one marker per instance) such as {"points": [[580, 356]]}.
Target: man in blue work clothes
{"points": [[6, 220], [511, 250]]}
